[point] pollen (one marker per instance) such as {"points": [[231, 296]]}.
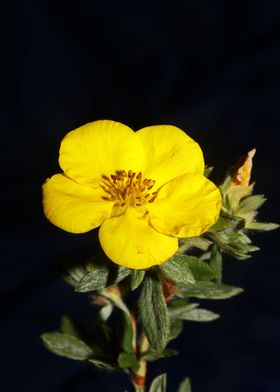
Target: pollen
{"points": [[128, 188]]}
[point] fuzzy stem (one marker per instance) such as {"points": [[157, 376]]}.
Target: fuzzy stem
{"points": [[138, 377]]}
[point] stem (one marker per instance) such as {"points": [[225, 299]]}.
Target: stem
{"points": [[138, 377]]}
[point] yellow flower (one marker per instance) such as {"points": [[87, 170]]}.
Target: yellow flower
{"points": [[145, 189]]}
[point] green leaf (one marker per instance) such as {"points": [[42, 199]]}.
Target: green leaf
{"points": [[179, 306], [249, 204], [185, 386], [221, 224], [178, 270], [153, 312], [199, 269], [71, 273], [233, 221], [99, 278], [262, 226], [201, 315], [158, 384], [106, 311], [154, 355], [127, 334], [226, 183], [236, 243], [66, 345], [234, 195], [136, 277], [181, 309], [209, 290], [68, 326], [94, 280], [194, 242], [101, 363], [208, 170], [176, 327], [216, 263], [128, 361]]}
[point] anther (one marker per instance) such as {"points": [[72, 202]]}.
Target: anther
{"points": [[128, 188]]}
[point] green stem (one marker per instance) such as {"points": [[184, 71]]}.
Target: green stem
{"points": [[138, 377]]}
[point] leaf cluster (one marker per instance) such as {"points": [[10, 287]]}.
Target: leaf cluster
{"points": [[113, 339]]}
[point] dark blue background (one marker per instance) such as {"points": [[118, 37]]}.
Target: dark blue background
{"points": [[209, 67]]}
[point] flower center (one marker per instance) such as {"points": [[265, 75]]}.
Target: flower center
{"points": [[128, 188]]}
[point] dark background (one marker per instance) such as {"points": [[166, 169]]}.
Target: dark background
{"points": [[209, 67]]}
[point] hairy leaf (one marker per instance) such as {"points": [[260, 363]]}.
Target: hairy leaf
{"points": [[195, 242], [200, 269], [136, 277], [103, 364], [71, 273], [99, 278], [250, 203], [127, 361], [216, 263], [154, 355], [178, 270], [208, 170], [127, 334], [153, 312], [209, 290], [66, 345], [106, 311], [262, 226], [176, 327], [185, 386], [158, 384], [235, 243], [179, 306], [221, 224], [201, 315], [68, 326]]}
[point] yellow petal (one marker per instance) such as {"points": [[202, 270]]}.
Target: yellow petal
{"points": [[186, 206], [169, 153], [99, 147], [130, 241], [73, 207]]}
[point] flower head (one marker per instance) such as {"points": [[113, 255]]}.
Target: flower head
{"points": [[144, 189]]}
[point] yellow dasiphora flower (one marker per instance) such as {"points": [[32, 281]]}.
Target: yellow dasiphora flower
{"points": [[145, 189]]}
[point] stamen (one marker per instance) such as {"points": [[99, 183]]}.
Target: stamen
{"points": [[128, 188]]}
